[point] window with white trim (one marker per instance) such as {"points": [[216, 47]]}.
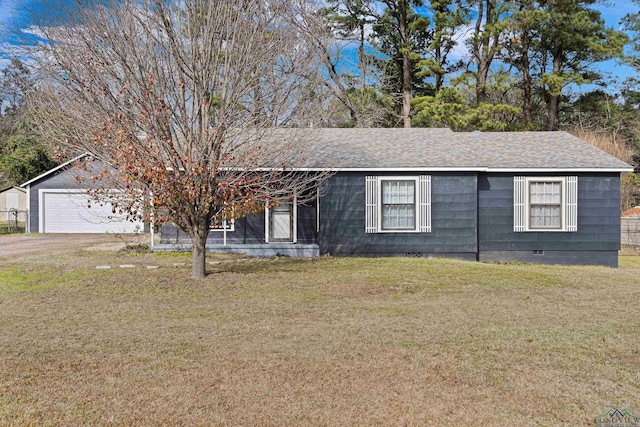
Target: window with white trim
{"points": [[545, 203], [223, 220], [398, 204]]}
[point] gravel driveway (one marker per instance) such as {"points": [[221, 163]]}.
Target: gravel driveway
{"points": [[31, 244]]}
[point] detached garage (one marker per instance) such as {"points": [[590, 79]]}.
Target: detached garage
{"points": [[58, 203]]}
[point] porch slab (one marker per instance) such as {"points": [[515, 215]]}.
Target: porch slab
{"points": [[294, 250]]}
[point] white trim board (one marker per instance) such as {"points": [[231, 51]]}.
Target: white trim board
{"points": [[564, 170], [28, 225], [457, 169], [57, 168], [396, 169]]}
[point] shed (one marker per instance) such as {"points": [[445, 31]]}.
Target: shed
{"points": [[13, 205]]}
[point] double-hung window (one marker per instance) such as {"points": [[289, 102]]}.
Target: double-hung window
{"points": [[223, 220], [398, 204], [545, 203]]}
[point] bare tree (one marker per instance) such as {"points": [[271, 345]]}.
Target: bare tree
{"points": [[330, 41], [180, 101], [610, 143]]}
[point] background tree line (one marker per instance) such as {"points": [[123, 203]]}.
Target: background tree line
{"points": [[22, 154], [499, 65], [478, 64], [489, 65]]}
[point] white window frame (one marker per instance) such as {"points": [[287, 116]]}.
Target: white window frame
{"points": [[416, 204], [373, 203], [294, 218], [231, 226], [563, 194]]}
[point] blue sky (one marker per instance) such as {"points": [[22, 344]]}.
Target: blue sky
{"points": [[612, 11]]}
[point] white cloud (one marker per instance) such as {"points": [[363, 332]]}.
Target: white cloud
{"points": [[460, 50]]}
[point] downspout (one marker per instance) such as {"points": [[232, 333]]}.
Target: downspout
{"points": [[151, 225], [27, 228], [224, 233]]}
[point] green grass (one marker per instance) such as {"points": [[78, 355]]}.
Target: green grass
{"points": [[344, 341]]}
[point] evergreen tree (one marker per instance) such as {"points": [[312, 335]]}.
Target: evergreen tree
{"points": [[573, 37], [349, 20], [449, 16], [404, 36], [491, 21], [22, 156]]}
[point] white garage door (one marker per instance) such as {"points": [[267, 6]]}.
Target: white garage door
{"points": [[64, 212]]}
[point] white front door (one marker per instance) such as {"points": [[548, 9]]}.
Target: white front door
{"points": [[281, 223]]}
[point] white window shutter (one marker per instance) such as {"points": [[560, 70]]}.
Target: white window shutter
{"points": [[425, 203], [519, 204], [571, 201], [371, 205]]}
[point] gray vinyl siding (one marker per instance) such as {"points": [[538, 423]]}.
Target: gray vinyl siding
{"points": [[596, 241], [453, 219], [459, 202], [249, 230]]}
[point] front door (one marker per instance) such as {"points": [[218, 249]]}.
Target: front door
{"points": [[281, 223]]}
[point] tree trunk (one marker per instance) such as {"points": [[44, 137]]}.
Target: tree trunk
{"points": [[554, 97], [481, 83], [363, 70], [406, 63], [552, 112], [485, 42], [478, 53], [526, 79], [440, 64], [406, 95], [198, 250]]}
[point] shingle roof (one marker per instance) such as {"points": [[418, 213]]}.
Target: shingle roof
{"points": [[2, 190], [559, 150], [400, 148]]}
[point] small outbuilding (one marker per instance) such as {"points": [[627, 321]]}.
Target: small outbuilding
{"points": [[13, 206]]}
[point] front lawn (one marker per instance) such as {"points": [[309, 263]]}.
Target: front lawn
{"points": [[322, 342]]}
